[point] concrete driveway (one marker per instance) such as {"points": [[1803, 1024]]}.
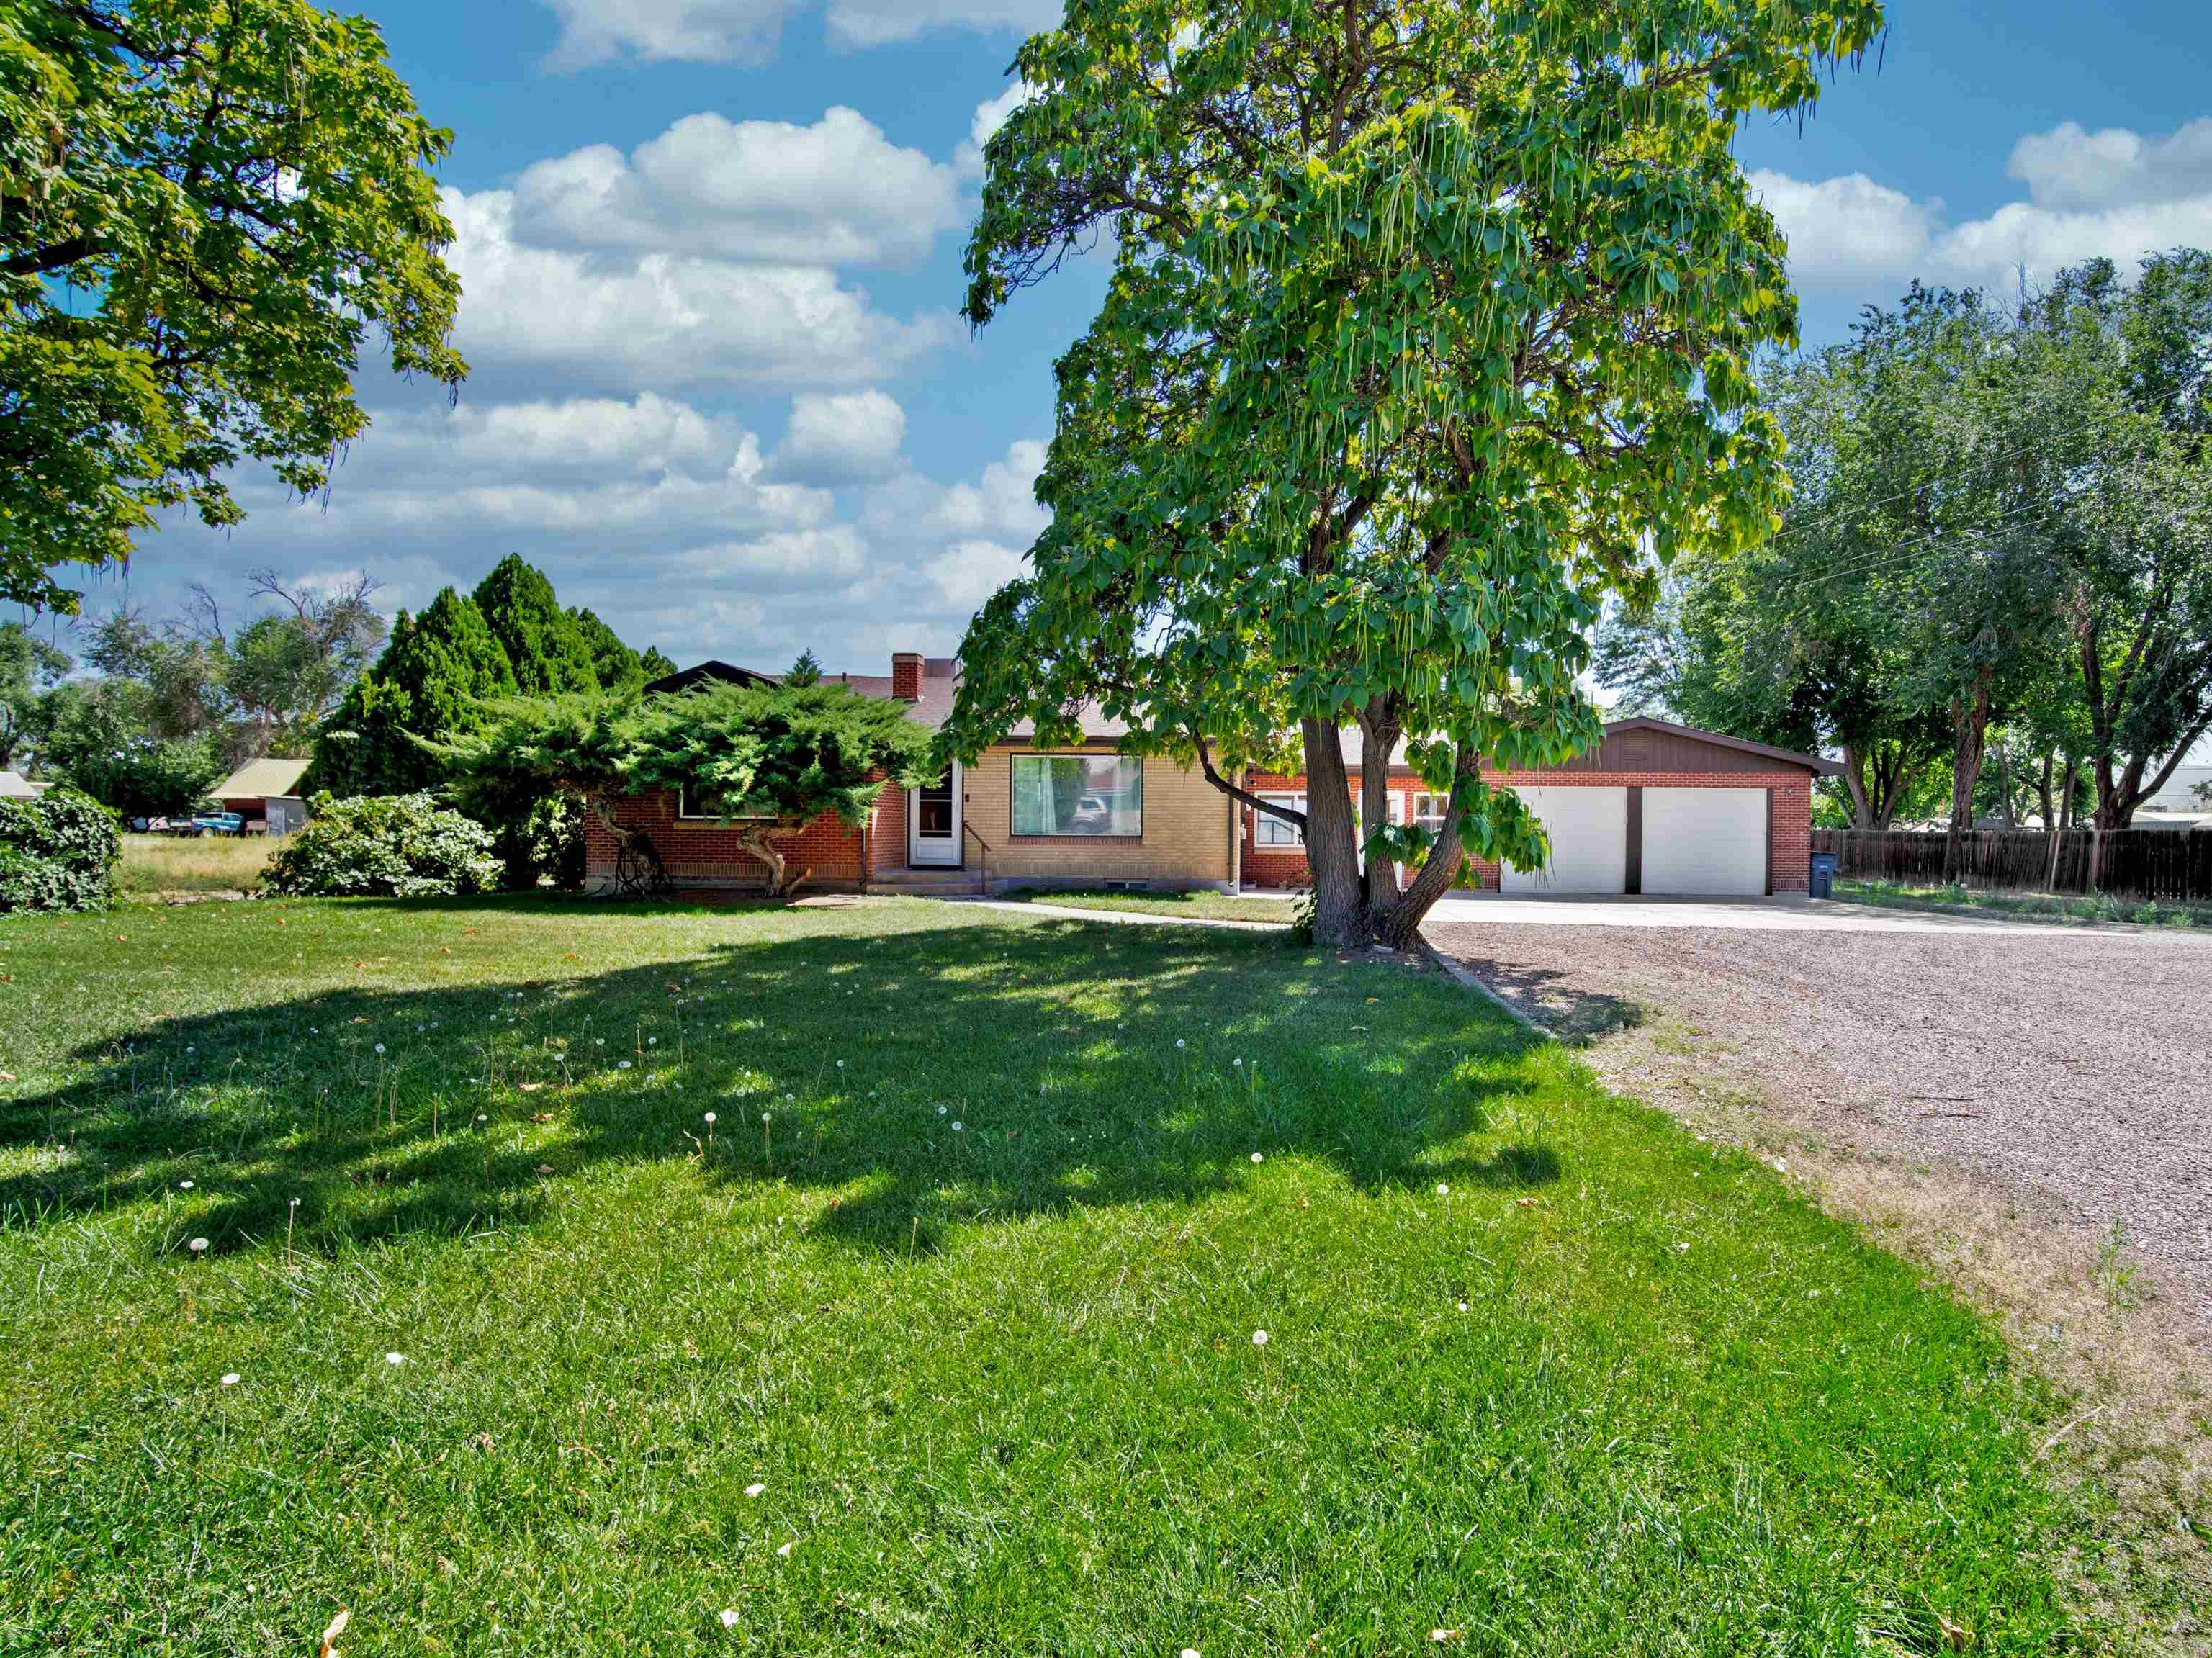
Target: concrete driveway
{"points": [[1744, 914]]}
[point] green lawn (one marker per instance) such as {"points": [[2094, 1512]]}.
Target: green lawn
{"points": [[2062, 908], [960, 1356], [1205, 906]]}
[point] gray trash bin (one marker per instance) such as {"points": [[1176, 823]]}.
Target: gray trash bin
{"points": [[1824, 875]]}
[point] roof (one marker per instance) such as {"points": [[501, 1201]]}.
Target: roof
{"points": [[13, 785], [257, 779], [1354, 749], [706, 673]]}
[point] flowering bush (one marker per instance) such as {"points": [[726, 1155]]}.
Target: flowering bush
{"points": [[400, 846], [57, 851]]}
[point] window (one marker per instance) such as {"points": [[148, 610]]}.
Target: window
{"points": [[708, 807], [1274, 831], [1101, 796], [1428, 811]]}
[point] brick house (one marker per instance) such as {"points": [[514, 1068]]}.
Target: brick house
{"points": [[1086, 814]]}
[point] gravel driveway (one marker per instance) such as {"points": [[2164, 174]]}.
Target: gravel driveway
{"points": [[2072, 1070]]}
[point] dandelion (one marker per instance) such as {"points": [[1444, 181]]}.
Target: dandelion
{"points": [[940, 1110], [755, 1489], [729, 1616], [395, 1358], [710, 1120], [598, 1041], [379, 1047], [1259, 1338], [622, 1065], [481, 1116], [1190, 1652], [1462, 1306], [1178, 1041], [192, 1050], [957, 1127], [785, 1551], [1256, 1157], [764, 1117], [184, 1186], [230, 1378], [1443, 1191], [841, 1064], [197, 1246], [1237, 1065]]}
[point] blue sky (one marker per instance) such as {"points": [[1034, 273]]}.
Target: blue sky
{"points": [[710, 250]]}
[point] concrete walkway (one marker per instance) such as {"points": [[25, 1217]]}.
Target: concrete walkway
{"points": [[1743, 914], [1137, 917]]}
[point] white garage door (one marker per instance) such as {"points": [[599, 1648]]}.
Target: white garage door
{"points": [[1705, 841], [1590, 841]]}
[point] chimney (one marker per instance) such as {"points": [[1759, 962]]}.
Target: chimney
{"points": [[906, 675]]}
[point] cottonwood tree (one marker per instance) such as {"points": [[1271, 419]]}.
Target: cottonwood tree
{"points": [[206, 206], [765, 761], [1429, 323]]}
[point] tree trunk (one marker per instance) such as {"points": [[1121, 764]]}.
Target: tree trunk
{"points": [[1379, 732], [2043, 795], [1969, 726], [1401, 926], [756, 841], [1855, 765], [1342, 919]]}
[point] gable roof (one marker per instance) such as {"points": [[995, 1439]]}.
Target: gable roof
{"points": [[708, 672], [259, 778], [13, 785], [1812, 762]]}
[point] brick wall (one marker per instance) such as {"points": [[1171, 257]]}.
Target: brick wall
{"points": [[702, 852], [1186, 840], [1791, 850]]}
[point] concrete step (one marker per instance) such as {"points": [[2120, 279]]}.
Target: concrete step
{"points": [[928, 883]]}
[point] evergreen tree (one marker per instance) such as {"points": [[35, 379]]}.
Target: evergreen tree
{"points": [[546, 650], [436, 666], [656, 663], [807, 670], [617, 666]]}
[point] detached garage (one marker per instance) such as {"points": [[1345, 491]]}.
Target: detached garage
{"points": [[1658, 809]]}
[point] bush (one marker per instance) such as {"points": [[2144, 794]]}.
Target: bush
{"points": [[57, 851], [398, 845]]}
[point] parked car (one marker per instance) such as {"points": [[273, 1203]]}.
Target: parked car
{"points": [[218, 822]]}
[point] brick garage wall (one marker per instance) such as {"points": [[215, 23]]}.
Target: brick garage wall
{"points": [[1791, 850], [1186, 840], [700, 852]]}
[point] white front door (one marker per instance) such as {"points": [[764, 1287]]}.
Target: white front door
{"points": [[1588, 831], [932, 823]]}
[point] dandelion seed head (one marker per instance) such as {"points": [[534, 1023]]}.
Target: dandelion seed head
{"points": [[230, 1378], [395, 1358], [379, 1047], [709, 1117], [197, 1246], [785, 1551], [184, 1186], [755, 1489], [1259, 1338], [729, 1616], [1257, 1158], [622, 1065], [1178, 1041], [1443, 1191]]}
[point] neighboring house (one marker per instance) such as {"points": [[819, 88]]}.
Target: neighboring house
{"points": [[13, 785], [1659, 809], [263, 793], [2178, 805]]}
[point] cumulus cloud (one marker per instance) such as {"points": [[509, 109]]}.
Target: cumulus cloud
{"points": [[747, 31], [966, 575], [664, 319], [990, 115], [843, 439], [837, 192], [2112, 194]]}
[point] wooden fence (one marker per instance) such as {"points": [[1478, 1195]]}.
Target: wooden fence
{"points": [[2172, 865]]}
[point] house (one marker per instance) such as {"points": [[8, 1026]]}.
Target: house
{"points": [[13, 785], [264, 793], [1657, 809]]}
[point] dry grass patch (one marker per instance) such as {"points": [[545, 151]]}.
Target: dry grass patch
{"points": [[154, 865]]}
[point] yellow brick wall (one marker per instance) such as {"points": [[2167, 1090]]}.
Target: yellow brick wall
{"points": [[1188, 839]]}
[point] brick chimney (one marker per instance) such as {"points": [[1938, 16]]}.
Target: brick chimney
{"points": [[906, 675]]}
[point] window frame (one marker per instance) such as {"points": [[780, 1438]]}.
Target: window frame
{"points": [[685, 816], [1015, 833], [1265, 824]]}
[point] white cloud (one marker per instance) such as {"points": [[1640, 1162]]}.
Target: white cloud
{"points": [[785, 560], [852, 437], [1001, 506], [2069, 170], [990, 115], [747, 31], [690, 31], [972, 571], [769, 192], [2111, 194], [663, 318]]}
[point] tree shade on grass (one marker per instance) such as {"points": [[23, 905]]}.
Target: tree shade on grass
{"points": [[941, 1338]]}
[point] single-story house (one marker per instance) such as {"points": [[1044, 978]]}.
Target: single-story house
{"points": [[265, 793], [13, 785], [1658, 809]]}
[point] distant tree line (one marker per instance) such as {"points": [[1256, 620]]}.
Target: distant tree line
{"points": [[1991, 591]]}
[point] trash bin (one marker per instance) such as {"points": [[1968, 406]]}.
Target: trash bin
{"points": [[1824, 875]]}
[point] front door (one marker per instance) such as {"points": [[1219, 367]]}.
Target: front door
{"points": [[932, 823]]}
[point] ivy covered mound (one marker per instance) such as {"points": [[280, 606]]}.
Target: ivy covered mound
{"points": [[57, 851]]}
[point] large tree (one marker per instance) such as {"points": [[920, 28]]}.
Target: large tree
{"points": [[1429, 323], [547, 646], [30, 668], [437, 667], [205, 207]]}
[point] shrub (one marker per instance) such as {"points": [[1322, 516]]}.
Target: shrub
{"points": [[57, 851], [398, 846]]}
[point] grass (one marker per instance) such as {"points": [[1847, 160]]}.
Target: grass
{"points": [[1204, 906], [975, 1312], [211, 863], [2064, 909]]}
